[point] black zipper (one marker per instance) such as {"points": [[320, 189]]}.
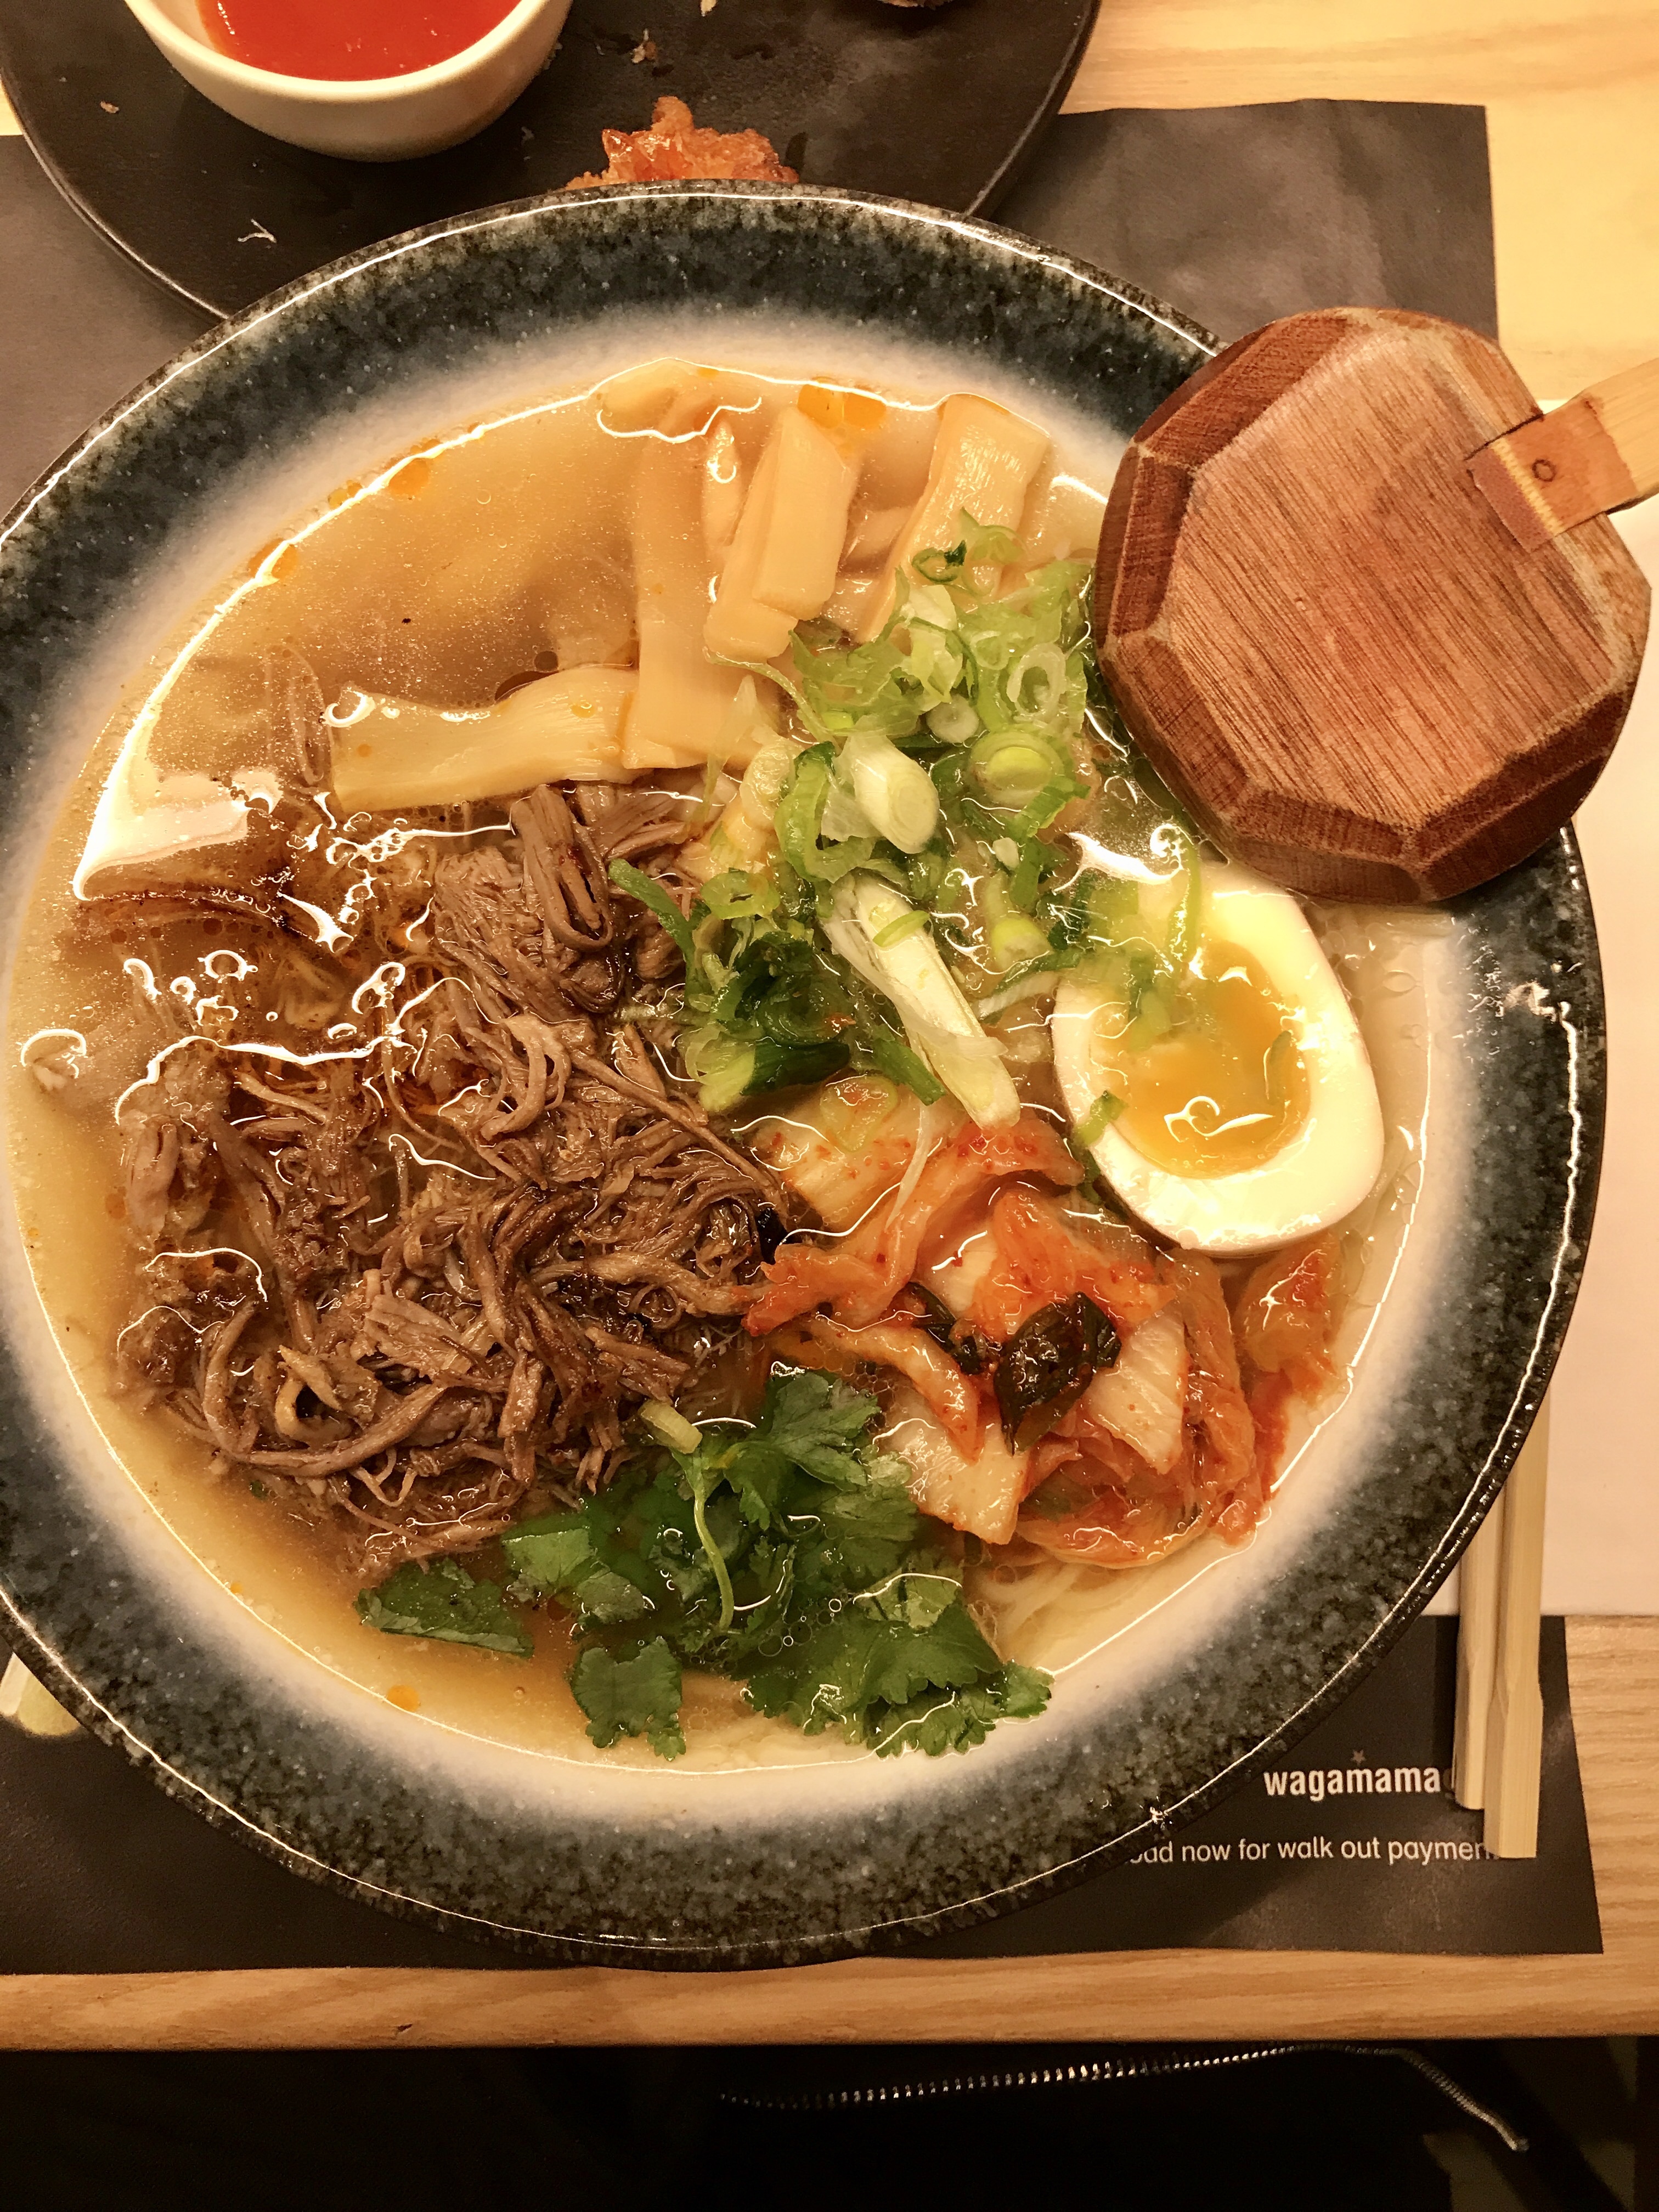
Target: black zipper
{"points": [[1128, 2067]]}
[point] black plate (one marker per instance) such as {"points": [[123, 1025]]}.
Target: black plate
{"points": [[938, 105]]}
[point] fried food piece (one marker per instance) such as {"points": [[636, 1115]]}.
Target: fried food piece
{"points": [[674, 147]]}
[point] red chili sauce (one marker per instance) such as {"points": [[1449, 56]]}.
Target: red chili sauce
{"points": [[347, 38]]}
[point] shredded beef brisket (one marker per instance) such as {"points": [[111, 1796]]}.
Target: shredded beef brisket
{"points": [[427, 1265]]}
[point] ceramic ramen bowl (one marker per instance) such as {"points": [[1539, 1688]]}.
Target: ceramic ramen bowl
{"points": [[1484, 1021]]}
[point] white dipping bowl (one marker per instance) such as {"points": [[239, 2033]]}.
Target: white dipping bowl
{"points": [[378, 119]]}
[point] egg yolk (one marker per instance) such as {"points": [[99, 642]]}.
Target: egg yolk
{"points": [[1210, 1078]]}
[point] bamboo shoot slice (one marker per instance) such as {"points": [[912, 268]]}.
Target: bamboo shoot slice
{"points": [[740, 626], [806, 523], [638, 399], [671, 397], [722, 491], [787, 549], [984, 461], [402, 752], [683, 699]]}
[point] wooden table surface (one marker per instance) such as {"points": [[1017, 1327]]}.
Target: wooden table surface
{"points": [[1572, 94], [1570, 89]]}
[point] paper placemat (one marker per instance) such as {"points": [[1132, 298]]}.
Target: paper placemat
{"points": [[1352, 1843]]}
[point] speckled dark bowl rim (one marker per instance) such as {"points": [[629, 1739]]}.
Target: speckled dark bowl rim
{"points": [[1533, 1039]]}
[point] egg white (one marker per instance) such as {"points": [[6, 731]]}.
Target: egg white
{"points": [[1324, 1169]]}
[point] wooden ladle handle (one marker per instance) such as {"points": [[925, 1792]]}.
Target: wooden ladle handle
{"points": [[1599, 453]]}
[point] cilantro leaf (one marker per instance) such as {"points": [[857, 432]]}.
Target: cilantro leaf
{"points": [[443, 1601], [762, 1477], [1023, 1691], [929, 1586], [635, 1696], [817, 1422], [790, 1557], [936, 1724], [607, 1597], [829, 1677], [552, 1553], [949, 1654], [557, 1553], [871, 1529], [940, 1687]]}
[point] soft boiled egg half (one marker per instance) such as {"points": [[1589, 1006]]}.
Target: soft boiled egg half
{"points": [[1235, 1109]]}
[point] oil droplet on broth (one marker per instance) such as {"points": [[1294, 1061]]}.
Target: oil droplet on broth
{"points": [[412, 477], [1225, 1087]]}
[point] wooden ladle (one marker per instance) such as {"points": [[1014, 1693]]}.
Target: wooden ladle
{"points": [[1360, 602]]}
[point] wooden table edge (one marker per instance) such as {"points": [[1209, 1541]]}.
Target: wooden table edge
{"points": [[1123, 1996], [1098, 1997]]}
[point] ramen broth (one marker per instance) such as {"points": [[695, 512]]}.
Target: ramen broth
{"points": [[445, 574]]}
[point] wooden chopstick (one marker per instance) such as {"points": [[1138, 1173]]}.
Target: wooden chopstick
{"points": [[1514, 1724], [30, 1706], [1496, 1764], [1478, 1579]]}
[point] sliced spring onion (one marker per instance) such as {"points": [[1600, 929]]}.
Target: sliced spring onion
{"points": [[671, 1427], [785, 1067], [941, 1025], [853, 1109], [736, 895], [895, 792], [1032, 985], [1154, 1018], [933, 661], [899, 1065], [1099, 1119], [924, 878], [629, 878], [711, 777], [907, 925], [800, 815], [944, 564], [843, 816], [931, 603], [953, 722], [1012, 766], [764, 778], [721, 1067], [1017, 938], [1036, 686], [1027, 879]]}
